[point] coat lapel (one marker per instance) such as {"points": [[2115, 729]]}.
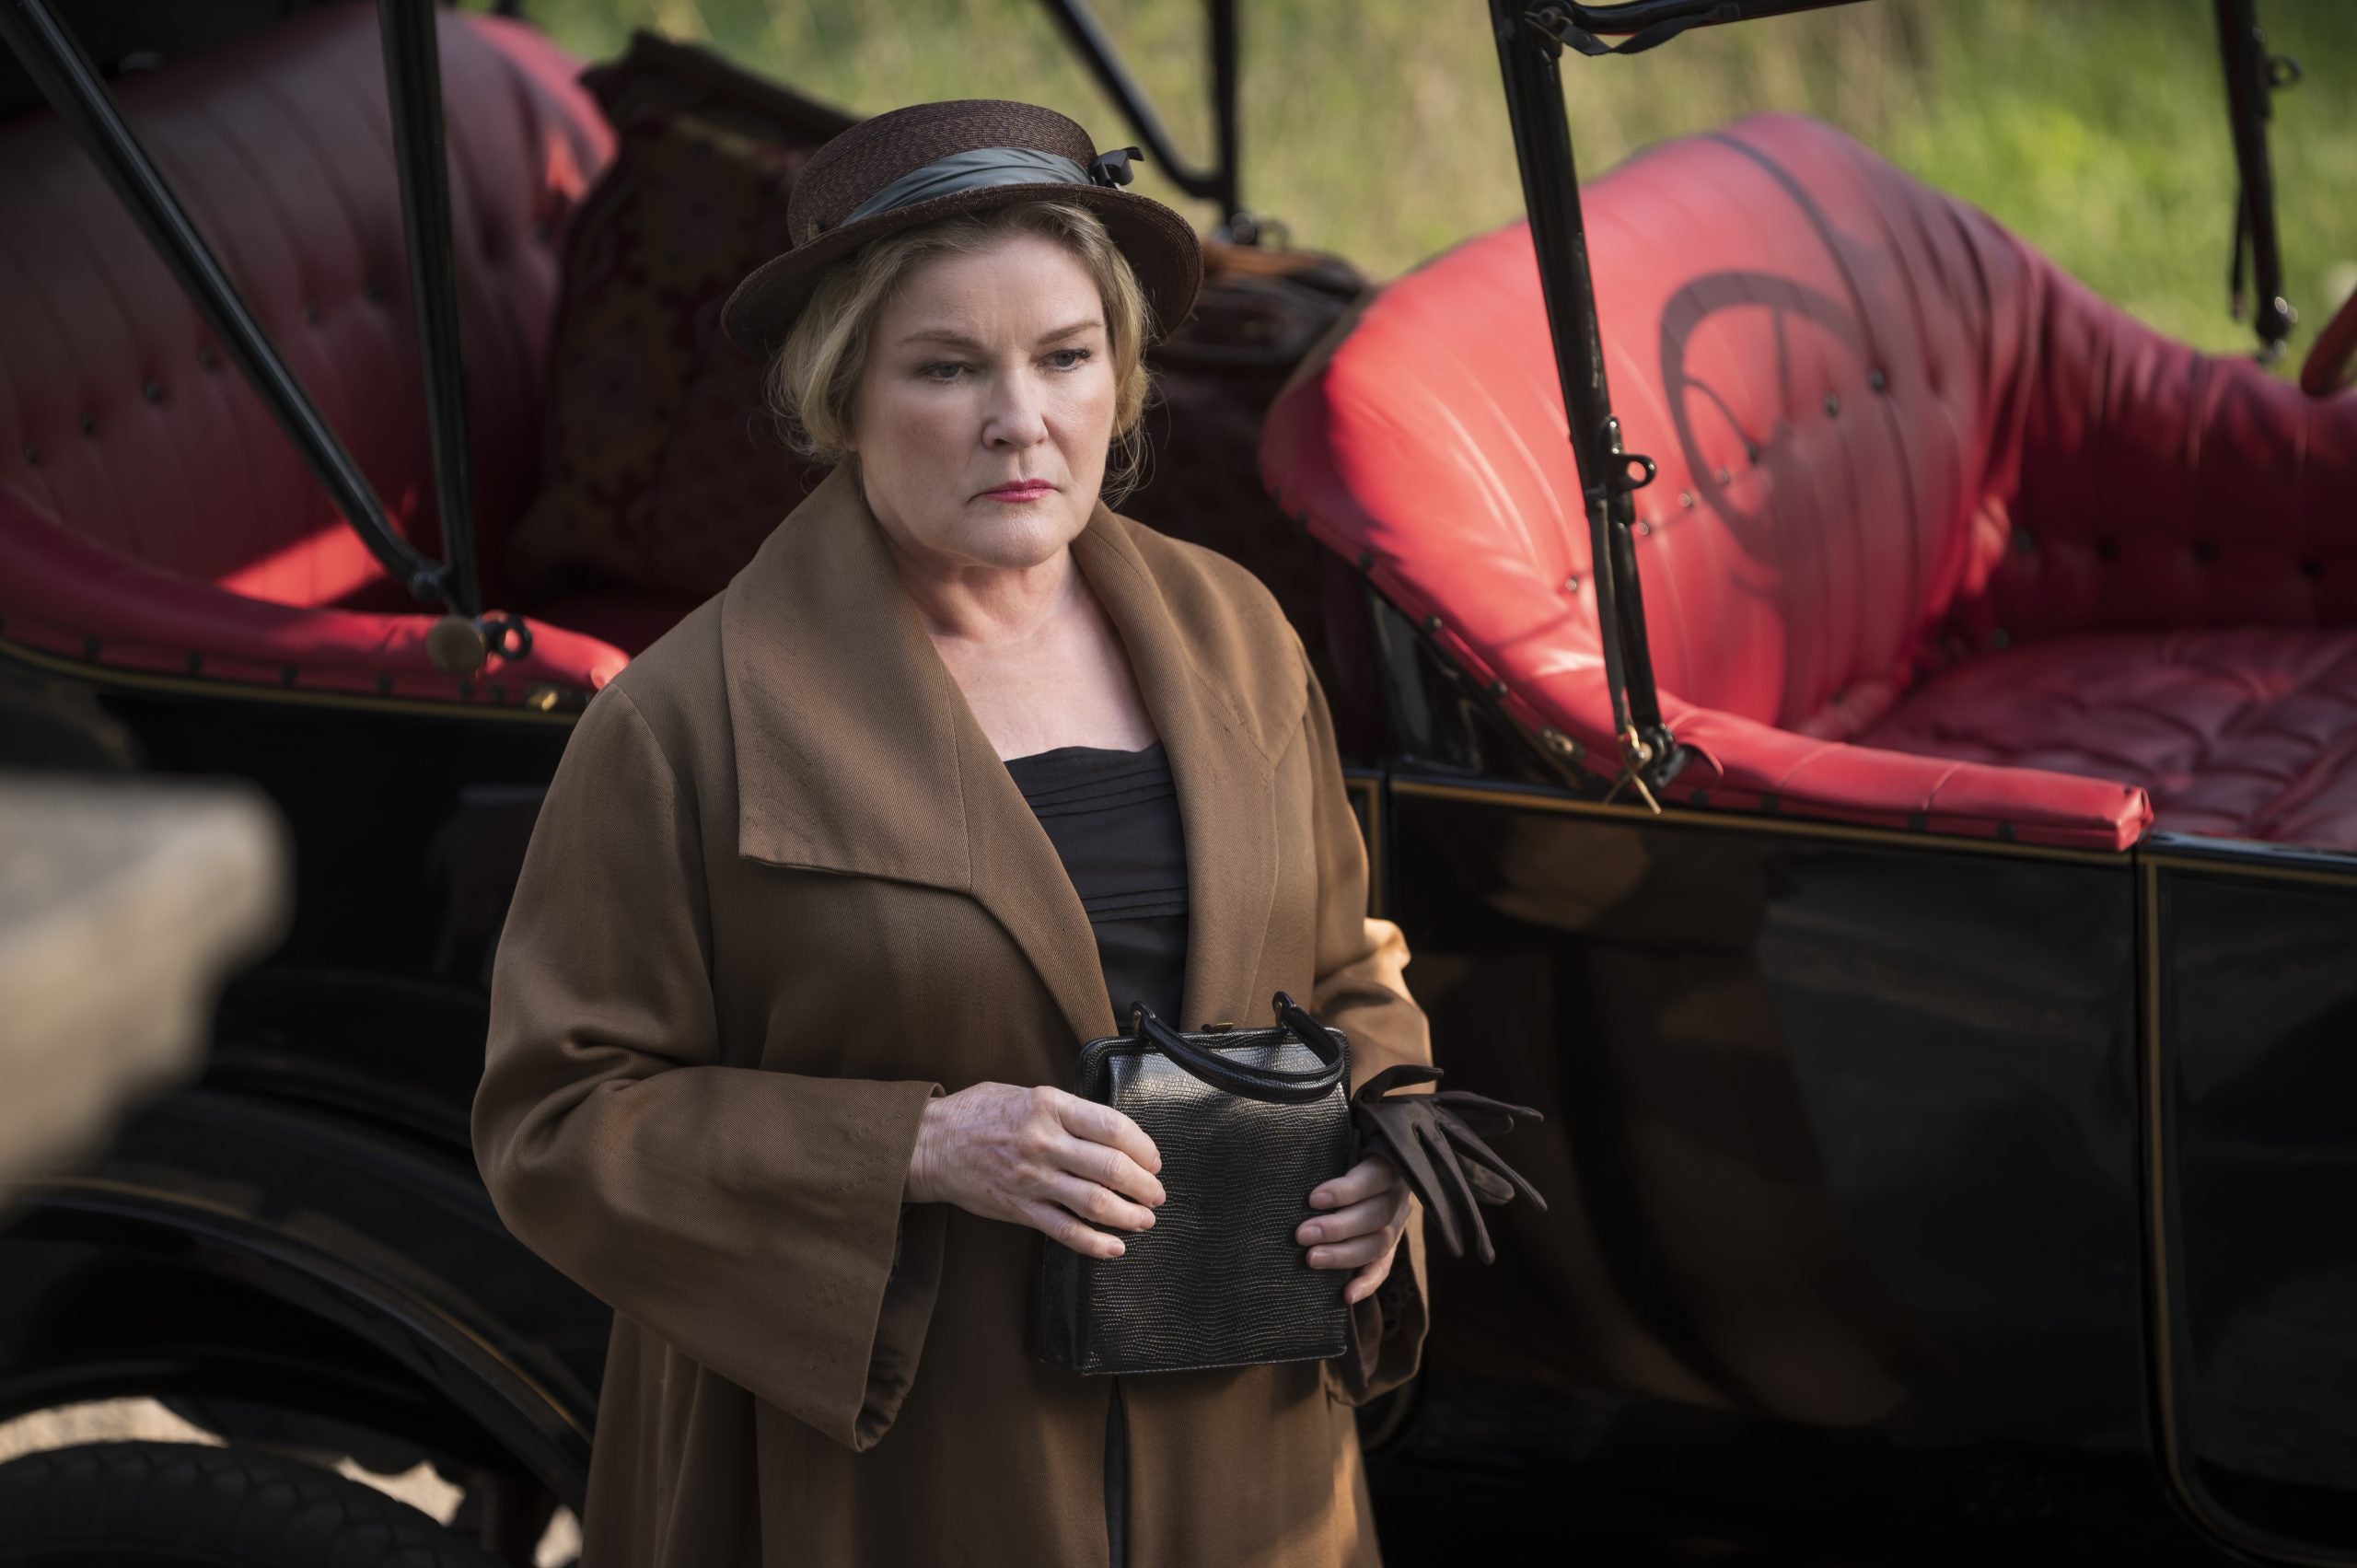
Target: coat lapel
{"points": [[858, 753]]}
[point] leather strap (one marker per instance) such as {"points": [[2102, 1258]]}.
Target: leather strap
{"points": [[1275, 1084]]}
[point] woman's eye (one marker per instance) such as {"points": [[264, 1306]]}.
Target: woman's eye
{"points": [[1078, 355], [927, 371]]}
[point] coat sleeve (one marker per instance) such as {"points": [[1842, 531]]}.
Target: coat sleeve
{"points": [[1359, 990], [752, 1220]]}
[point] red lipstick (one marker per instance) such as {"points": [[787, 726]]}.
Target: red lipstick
{"points": [[1021, 490]]}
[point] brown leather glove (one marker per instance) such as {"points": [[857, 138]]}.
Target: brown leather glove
{"points": [[1424, 1134]]}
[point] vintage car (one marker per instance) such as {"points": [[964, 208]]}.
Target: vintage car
{"points": [[1859, 729]]}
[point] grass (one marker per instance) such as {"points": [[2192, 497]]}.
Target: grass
{"points": [[1377, 129]]}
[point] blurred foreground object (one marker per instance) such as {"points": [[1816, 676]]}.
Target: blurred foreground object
{"points": [[123, 905]]}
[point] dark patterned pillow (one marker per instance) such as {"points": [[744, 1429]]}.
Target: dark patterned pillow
{"points": [[643, 388], [656, 73]]}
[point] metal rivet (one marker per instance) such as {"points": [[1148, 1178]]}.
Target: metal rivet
{"points": [[1724, 477], [372, 288], [1497, 688], [541, 230], [2022, 542], [1685, 498], [311, 313], [1366, 559], [1571, 584], [32, 454], [89, 424], [1432, 623], [1751, 452], [1555, 739], [89, 647], [1770, 802], [195, 662], [1919, 821], [466, 690], [1644, 527], [384, 682], [1698, 796], [152, 389], [1877, 379], [2001, 638], [498, 692], [1832, 404], [205, 355], [286, 674], [2005, 831]]}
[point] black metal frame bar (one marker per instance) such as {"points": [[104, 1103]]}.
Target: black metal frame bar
{"points": [[1220, 182], [1530, 43], [2253, 77], [1646, 23], [56, 62], [413, 92]]}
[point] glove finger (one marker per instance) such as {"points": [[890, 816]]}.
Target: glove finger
{"points": [[1464, 1205], [1423, 1179], [1481, 1153], [1488, 1126], [1460, 1101], [1492, 1189], [1463, 1189]]}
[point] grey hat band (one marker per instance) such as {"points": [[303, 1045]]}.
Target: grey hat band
{"points": [[979, 167]]}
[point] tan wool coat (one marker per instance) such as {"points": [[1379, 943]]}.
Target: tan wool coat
{"points": [[783, 890]]}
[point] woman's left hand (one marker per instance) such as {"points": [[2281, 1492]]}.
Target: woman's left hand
{"points": [[1366, 1213]]}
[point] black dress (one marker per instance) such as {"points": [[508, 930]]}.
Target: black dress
{"points": [[1113, 817]]}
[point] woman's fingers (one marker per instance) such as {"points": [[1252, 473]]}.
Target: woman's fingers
{"points": [[1103, 1125], [1359, 1219], [1363, 1284], [1098, 1205], [1381, 1222], [1355, 1253], [1104, 1166], [1363, 1180], [1058, 1224]]}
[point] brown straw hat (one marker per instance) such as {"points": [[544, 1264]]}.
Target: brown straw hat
{"points": [[934, 160]]}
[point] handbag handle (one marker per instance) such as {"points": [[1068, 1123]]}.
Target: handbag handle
{"points": [[1278, 1085]]}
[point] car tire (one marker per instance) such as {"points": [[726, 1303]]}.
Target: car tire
{"points": [[142, 1504]]}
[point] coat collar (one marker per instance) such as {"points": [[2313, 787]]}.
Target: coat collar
{"points": [[858, 753]]}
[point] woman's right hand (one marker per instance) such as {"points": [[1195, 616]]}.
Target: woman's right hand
{"points": [[1037, 1157]]}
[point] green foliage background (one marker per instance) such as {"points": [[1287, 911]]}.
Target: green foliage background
{"points": [[1377, 129]]}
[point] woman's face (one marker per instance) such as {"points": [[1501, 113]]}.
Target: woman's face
{"points": [[986, 370]]}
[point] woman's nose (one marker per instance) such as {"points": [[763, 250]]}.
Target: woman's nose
{"points": [[1015, 417]]}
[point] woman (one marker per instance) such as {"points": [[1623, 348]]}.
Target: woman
{"points": [[822, 903]]}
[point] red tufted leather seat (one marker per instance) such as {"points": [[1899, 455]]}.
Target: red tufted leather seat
{"points": [[152, 516], [1940, 538]]}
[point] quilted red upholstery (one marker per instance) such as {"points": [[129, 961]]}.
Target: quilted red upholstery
{"points": [[1891, 437], [151, 513]]}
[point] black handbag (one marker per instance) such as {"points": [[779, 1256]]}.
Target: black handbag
{"points": [[1248, 1123]]}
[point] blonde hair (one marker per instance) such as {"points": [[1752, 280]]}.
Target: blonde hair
{"points": [[816, 369]]}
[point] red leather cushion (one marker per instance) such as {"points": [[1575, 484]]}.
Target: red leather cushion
{"points": [[1855, 388], [2244, 734], [69, 595], [122, 423]]}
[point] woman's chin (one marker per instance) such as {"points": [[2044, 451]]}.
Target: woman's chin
{"points": [[1019, 534]]}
